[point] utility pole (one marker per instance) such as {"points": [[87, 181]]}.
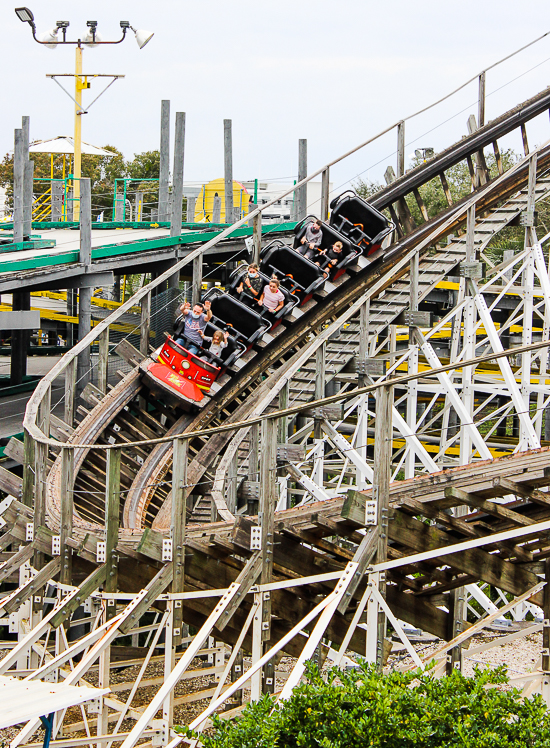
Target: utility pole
{"points": [[77, 160]]}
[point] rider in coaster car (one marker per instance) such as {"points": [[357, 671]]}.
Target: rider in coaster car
{"points": [[251, 283], [311, 240], [333, 254], [218, 342], [272, 299], [190, 325]]}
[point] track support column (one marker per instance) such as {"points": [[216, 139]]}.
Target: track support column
{"points": [[145, 324], [300, 195], [381, 494], [164, 172], [228, 169], [268, 468], [67, 509], [112, 510]]}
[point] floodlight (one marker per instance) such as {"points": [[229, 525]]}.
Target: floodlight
{"points": [[25, 15], [92, 38], [142, 36], [49, 38], [424, 153]]}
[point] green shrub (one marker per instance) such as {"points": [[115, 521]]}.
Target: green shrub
{"points": [[362, 708]]}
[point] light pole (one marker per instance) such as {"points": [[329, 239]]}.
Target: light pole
{"points": [[92, 39]]}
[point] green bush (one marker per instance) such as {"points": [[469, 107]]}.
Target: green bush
{"points": [[362, 708]]}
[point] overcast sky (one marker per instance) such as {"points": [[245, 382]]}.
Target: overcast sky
{"points": [[335, 72]]}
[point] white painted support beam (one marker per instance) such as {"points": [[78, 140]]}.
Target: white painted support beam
{"points": [[506, 370], [454, 397]]}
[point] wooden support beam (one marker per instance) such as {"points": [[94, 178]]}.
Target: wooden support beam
{"points": [[325, 189], [418, 612], [145, 325], [31, 589], [454, 523], [381, 493], [103, 361], [268, 467], [524, 139], [496, 510], [67, 511], [112, 521], [179, 519], [13, 564], [163, 212], [27, 486], [486, 566], [11, 483], [283, 422], [39, 517], [446, 190], [498, 158], [228, 170], [300, 195], [519, 489], [177, 175], [257, 238], [362, 556], [156, 587], [197, 279], [246, 579], [15, 450], [421, 204], [70, 392], [89, 585]]}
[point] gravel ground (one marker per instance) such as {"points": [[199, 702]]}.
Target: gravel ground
{"points": [[520, 656]]}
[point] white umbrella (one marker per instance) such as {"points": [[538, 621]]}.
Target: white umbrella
{"points": [[65, 144]]}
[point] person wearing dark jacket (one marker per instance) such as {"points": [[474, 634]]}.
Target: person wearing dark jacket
{"points": [[251, 284]]}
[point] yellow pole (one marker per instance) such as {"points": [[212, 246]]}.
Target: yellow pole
{"points": [[77, 133]]}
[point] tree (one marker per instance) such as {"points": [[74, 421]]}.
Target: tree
{"points": [[101, 170], [146, 165], [460, 185]]}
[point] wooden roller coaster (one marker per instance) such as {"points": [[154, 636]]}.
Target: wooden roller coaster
{"points": [[276, 518]]}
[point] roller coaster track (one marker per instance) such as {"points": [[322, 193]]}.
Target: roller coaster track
{"points": [[146, 477]]}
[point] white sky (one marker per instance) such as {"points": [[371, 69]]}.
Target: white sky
{"points": [[335, 72]]}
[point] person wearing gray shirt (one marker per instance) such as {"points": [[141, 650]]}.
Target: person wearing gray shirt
{"points": [[311, 240]]}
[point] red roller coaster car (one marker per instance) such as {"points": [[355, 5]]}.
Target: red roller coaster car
{"points": [[179, 375]]}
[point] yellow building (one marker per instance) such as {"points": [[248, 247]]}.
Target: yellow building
{"points": [[204, 207]]}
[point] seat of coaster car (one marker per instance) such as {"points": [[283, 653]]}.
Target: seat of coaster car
{"points": [[238, 276], [228, 313], [360, 222], [330, 236], [296, 273]]}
